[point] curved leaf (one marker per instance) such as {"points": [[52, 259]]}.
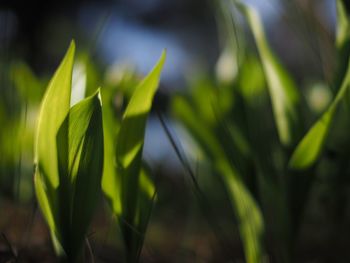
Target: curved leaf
{"points": [[69, 161], [86, 123], [131, 137], [53, 111], [342, 45], [310, 147], [283, 92], [124, 182], [343, 25]]}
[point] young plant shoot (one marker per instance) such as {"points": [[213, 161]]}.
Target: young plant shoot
{"points": [[68, 161]]}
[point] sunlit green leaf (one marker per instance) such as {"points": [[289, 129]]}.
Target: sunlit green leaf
{"points": [[53, 111], [111, 181], [80, 153], [86, 116], [128, 188], [131, 136]]}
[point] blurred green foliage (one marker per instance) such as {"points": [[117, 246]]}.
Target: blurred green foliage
{"points": [[265, 164], [250, 123]]}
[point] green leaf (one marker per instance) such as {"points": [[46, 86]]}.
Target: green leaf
{"points": [[111, 181], [86, 136], [310, 147], [342, 45], [247, 211], [80, 153], [125, 183], [251, 80], [183, 111], [131, 137], [53, 111], [283, 92], [28, 85], [45, 203], [343, 25], [146, 196], [248, 214]]}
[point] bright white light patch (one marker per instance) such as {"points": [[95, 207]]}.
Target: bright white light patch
{"points": [[78, 83]]}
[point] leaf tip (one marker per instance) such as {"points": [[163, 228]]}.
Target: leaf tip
{"points": [[297, 164], [98, 94], [163, 57], [72, 45], [71, 50]]}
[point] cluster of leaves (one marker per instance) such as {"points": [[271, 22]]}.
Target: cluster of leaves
{"points": [[267, 165], [78, 140], [68, 160]]}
